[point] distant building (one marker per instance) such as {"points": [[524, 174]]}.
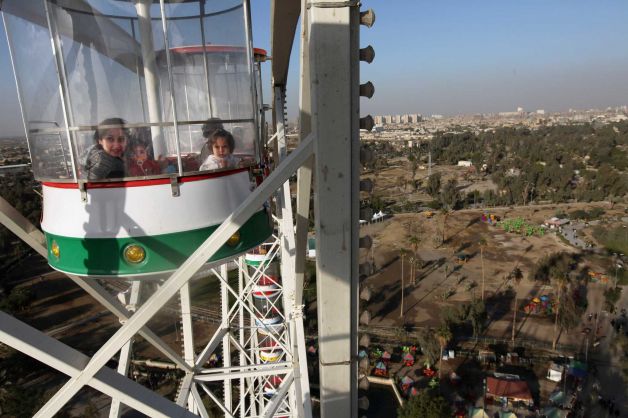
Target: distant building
{"points": [[540, 111], [508, 391], [416, 118], [555, 222], [379, 120], [437, 116], [618, 118]]}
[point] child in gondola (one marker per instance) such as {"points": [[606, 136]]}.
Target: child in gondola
{"points": [[140, 164], [222, 145]]}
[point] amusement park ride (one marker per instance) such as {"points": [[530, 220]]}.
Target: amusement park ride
{"points": [[103, 77]]}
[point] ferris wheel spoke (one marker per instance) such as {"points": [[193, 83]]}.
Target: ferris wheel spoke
{"points": [[70, 362]]}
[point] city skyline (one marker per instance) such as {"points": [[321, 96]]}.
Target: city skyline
{"points": [[463, 59]]}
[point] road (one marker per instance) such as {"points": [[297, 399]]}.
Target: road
{"points": [[571, 234]]}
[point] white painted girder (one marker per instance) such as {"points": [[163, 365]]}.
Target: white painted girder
{"points": [[27, 232], [69, 361], [333, 54], [206, 250]]}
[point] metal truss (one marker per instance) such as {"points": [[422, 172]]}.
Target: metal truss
{"points": [[241, 337]]}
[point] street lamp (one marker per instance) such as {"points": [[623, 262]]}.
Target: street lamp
{"points": [[617, 267], [618, 264]]}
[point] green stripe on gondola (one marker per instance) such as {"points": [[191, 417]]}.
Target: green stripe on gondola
{"points": [[254, 263], [103, 256]]}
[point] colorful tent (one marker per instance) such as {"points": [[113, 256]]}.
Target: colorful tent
{"points": [[386, 356], [380, 369], [406, 383], [428, 372], [363, 354], [408, 360]]}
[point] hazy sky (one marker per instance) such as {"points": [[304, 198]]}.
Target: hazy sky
{"points": [[455, 56]]}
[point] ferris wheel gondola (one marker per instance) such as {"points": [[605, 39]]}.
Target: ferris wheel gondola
{"points": [[121, 81]]}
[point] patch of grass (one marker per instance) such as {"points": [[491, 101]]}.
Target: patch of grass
{"points": [[614, 239]]}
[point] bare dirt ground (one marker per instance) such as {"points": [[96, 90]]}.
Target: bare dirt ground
{"points": [[394, 182], [442, 271]]}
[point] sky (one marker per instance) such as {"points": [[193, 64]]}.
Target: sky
{"points": [[462, 57]]}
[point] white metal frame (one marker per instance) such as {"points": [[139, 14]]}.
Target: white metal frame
{"points": [[87, 371], [326, 78]]}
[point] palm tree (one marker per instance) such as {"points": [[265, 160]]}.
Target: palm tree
{"points": [[445, 210], [402, 252], [516, 274], [483, 244], [560, 284], [444, 335], [414, 242], [418, 262], [411, 260]]}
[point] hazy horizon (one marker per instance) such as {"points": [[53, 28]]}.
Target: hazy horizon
{"points": [[480, 57]]}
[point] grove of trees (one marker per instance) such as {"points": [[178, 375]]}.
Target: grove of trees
{"points": [[18, 190], [558, 163]]}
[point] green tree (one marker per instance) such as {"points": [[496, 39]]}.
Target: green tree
{"points": [[414, 241], [443, 335], [414, 164], [433, 185], [477, 316], [427, 404], [429, 345], [560, 284], [403, 254], [483, 243], [445, 211], [450, 196]]}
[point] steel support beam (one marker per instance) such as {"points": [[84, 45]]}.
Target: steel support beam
{"points": [[188, 334], [15, 222], [69, 361], [283, 25], [335, 122], [125, 353], [304, 175], [206, 250]]}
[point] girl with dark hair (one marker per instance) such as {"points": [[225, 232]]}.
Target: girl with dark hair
{"points": [[210, 126], [222, 145], [104, 158]]}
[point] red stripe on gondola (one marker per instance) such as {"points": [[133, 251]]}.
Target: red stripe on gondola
{"points": [[215, 48], [266, 293], [142, 183]]}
